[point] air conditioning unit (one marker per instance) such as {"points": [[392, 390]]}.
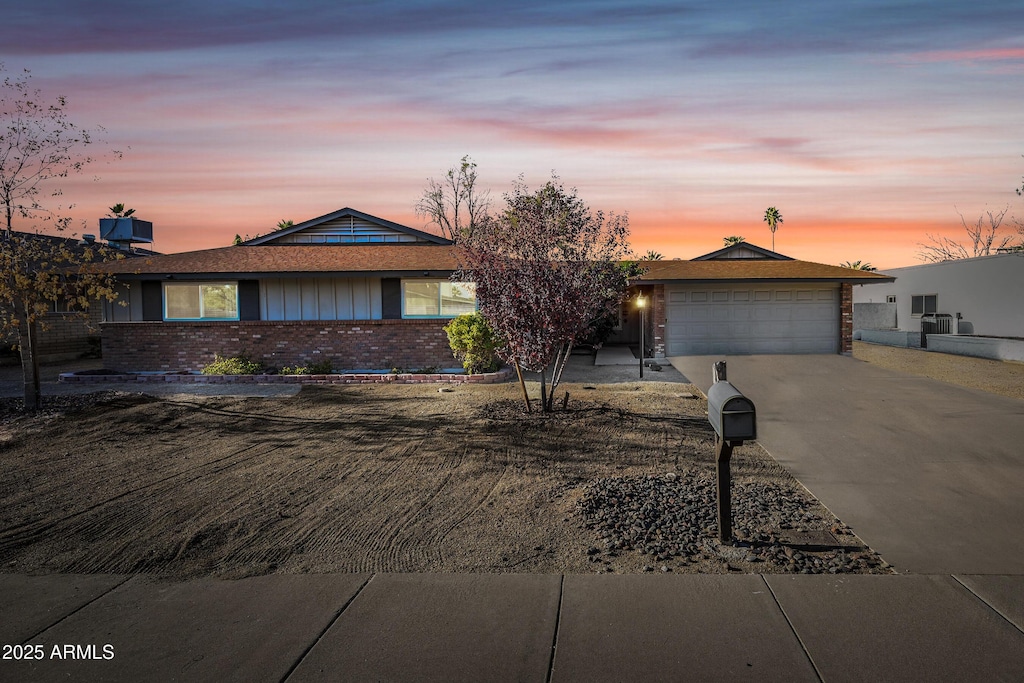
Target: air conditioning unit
{"points": [[126, 230]]}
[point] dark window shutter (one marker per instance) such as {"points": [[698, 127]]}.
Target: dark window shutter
{"points": [[248, 299], [152, 300], [391, 298]]}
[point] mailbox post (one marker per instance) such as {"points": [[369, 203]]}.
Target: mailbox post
{"points": [[733, 417]]}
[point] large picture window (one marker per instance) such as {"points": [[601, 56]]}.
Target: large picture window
{"points": [[201, 301], [924, 304], [437, 299]]}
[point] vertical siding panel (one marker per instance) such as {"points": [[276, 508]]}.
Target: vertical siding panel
{"points": [[292, 299], [309, 298], [275, 299], [360, 299], [343, 299], [134, 310], [325, 292], [376, 305]]}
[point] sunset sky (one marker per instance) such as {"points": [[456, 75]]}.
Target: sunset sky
{"points": [[868, 124]]}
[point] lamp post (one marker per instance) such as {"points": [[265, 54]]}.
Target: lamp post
{"points": [[641, 303]]}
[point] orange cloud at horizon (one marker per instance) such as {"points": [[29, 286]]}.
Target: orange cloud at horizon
{"points": [[884, 243]]}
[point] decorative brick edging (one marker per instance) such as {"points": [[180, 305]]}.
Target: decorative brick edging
{"points": [[353, 378]]}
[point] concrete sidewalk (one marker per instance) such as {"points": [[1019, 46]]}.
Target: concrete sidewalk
{"points": [[513, 627]]}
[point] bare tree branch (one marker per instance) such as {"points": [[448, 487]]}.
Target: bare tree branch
{"points": [[38, 147], [985, 239], [454, 205]]}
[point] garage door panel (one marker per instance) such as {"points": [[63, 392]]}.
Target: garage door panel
{"points": [[742, 320], [812, 312], [693, 314], [742, 311]]}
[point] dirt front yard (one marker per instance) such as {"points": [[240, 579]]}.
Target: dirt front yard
{"points": [[399, 479]]}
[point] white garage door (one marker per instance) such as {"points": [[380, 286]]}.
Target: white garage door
{"points": [[752, 319]]}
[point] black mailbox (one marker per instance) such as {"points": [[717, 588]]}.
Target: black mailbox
{"points": [[731, 413]]}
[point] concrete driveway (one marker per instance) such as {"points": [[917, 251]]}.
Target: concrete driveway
{"points": [[929, 474]]}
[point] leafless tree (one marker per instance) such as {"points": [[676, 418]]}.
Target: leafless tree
{"points": [[454, 204], [984, 239]]}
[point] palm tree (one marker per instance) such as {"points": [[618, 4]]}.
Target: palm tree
{"points": [[858, 265], [773, 218], [733, 239], [285, 224], [652, 255]]}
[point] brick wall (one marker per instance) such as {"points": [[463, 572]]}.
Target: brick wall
{"points": [[68, 335], [64, 336], [846, 319], [349, 344]]}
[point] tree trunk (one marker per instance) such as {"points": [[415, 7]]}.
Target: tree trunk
{"points": [[545, 405], [33, 399], [560, 362], [522, 385]]}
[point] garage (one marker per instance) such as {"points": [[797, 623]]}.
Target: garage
{"points": [[709, 319]]}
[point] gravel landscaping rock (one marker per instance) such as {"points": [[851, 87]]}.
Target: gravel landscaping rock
{"points": [[673, 517]]}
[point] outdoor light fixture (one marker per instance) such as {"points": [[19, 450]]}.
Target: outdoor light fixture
{"points": [[641, 303]]}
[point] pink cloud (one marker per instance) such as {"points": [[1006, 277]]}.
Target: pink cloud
{"points": [[985, 55]]}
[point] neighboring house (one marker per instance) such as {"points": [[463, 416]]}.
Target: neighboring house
{"points": [[65, 334], [982, 294], [367, 293]]}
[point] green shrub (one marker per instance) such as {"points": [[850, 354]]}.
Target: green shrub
{"points": [[473, 343], [235, 365], [324, 367]]}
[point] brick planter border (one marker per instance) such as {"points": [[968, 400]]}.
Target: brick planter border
{"points": [[349, 378]]}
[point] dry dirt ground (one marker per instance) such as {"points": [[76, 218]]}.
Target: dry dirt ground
{"points": [[998, 377], [395, 479]]}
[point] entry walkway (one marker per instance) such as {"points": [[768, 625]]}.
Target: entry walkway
{"points": [[928, 474], [513, 627]]}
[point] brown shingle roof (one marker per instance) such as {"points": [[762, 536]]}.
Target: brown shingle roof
{"points": [[439, 259], [296, 259], [752, 270]]}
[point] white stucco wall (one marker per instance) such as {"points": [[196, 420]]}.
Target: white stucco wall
{"points": [[987, 291]]}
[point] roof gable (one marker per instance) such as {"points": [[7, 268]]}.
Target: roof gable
{"points": [[347, 226], [743, 250]]}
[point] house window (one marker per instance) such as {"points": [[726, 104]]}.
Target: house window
{"points": [[201, 301], [924, 304], [437, 299]]}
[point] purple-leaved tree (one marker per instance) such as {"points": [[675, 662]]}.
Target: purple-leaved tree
{"points": [[546, 270]]}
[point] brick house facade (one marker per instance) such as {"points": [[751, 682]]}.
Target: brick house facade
{"points": [[349, 345], [366, 293]]}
